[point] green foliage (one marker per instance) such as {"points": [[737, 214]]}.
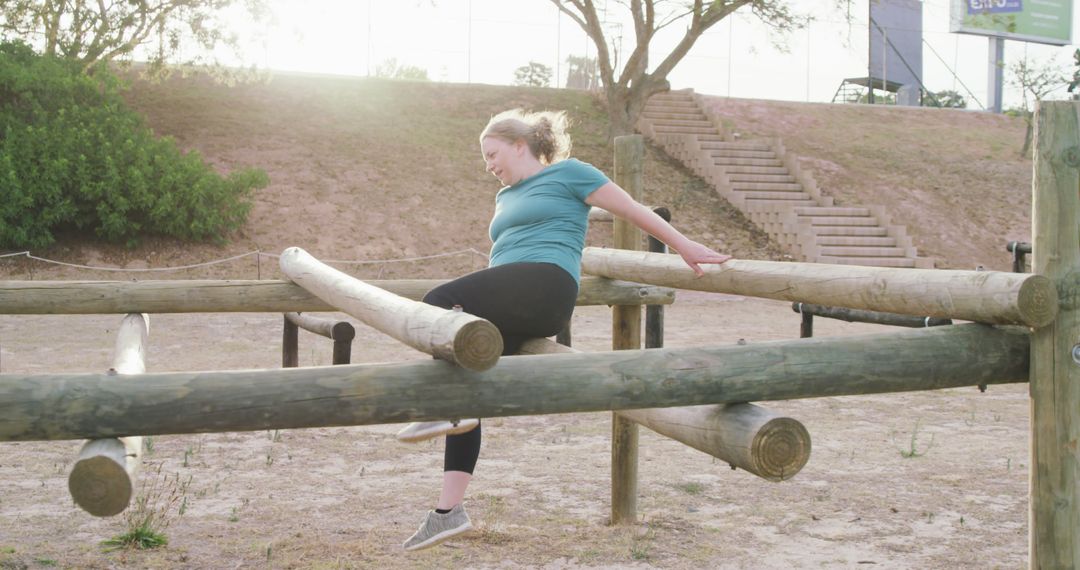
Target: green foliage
{"points": [[74, 157], [948, 99], [180, 33], [391, 69], [534, 74], [1075, 81]]}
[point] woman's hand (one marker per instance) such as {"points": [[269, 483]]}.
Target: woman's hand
{"points": [[693, 253]]}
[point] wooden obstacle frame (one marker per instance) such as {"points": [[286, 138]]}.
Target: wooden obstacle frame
{"points": [[1026, 329]]}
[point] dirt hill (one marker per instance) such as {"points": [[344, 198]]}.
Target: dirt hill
{"points": [[367, 169]]}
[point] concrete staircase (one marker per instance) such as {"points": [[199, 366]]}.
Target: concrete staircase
{"points": [[764, 181]]}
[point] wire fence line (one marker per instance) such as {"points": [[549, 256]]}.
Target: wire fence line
{"points": [[257, 253]]}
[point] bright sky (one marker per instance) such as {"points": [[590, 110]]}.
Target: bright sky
{"points": [[484, 41]]}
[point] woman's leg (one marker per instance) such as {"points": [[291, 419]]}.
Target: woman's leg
{"points": [[524, 300]]}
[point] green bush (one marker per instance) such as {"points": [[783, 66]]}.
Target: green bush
{"points": [[74, 157]]}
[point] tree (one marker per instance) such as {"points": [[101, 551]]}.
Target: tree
{"points": [[391, 69], [103, 31], [1075, 82], [947, 98], [581, 72], [533, 75], [1037, 80], [627, 89]]}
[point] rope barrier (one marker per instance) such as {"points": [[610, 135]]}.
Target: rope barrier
{"points": [[28, 255]]}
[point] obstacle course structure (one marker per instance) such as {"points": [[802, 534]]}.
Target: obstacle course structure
{"points": [[1027, 329]]}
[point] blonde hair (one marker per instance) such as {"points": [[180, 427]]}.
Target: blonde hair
{"points": [[544, 132]]}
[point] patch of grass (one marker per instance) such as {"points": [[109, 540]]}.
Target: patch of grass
{"points": [[145, 521], [691, 488], [913, 445]]}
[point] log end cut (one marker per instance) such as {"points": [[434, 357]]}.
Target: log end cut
{"points": [[1038, 301], [100, 486], [780, 449], [477, 345]]}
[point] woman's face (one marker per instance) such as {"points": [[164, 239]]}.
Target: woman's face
{"points": [[501, 158]]}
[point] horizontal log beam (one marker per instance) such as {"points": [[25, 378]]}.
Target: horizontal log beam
{"points": [[452, 335], [71, 406], [249, 296], [982, 296], [872, 317]]}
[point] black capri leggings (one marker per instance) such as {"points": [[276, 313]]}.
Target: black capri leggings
{"points": [[523, 300]]}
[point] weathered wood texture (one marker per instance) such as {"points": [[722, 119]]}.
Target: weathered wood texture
{"points": [[75, 406], [103, 478], [747, 436], [239, 296], [626, 335], [466, 340], [981, 296], [1055, 350]]}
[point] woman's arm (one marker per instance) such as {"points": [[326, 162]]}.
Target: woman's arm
{"points": [[615, 200]]}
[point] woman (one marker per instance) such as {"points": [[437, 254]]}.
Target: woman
{"points": [[531, 284]]}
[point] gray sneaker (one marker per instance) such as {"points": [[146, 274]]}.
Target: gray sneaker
{"points": [[421, 431], [438, 528]]}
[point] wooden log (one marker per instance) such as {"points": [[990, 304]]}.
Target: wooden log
{"points": [[75, 406], [466, 340], [239, 296], [341, 332], [103, 478], [626, 335], [982, 296], [753, 438], [747, 436], [1054, 530], [872, 317]]}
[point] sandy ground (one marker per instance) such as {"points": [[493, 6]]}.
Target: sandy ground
{"points": [[347, 497]]}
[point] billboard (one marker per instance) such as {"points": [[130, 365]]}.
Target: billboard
{"points": [[1040, 21], [896, 41]]}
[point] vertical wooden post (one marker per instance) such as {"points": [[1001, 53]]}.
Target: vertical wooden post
{"points": [[290, 349], [654, 314], [343, 334], [626, 335], [1054, 529]]}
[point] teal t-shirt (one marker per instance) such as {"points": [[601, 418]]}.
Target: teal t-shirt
{"points": [[544, 218]]}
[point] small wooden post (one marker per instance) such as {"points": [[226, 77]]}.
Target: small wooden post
{"points": [[626, 335], [1054, 530], [290, 349], [654, 314], [103, 478]]}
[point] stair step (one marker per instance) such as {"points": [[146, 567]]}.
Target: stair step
{"points": [[773, 178], [869, 261], [702, 122], [655, 103], [833, 211], [661, 115], [765, 195], [710, 130], [717, 145], [756, 170], [856, 241], [725, 160], [767, 205], [866, 221], [855, 251], [862, 231], [739, 153], [775, 187]]}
